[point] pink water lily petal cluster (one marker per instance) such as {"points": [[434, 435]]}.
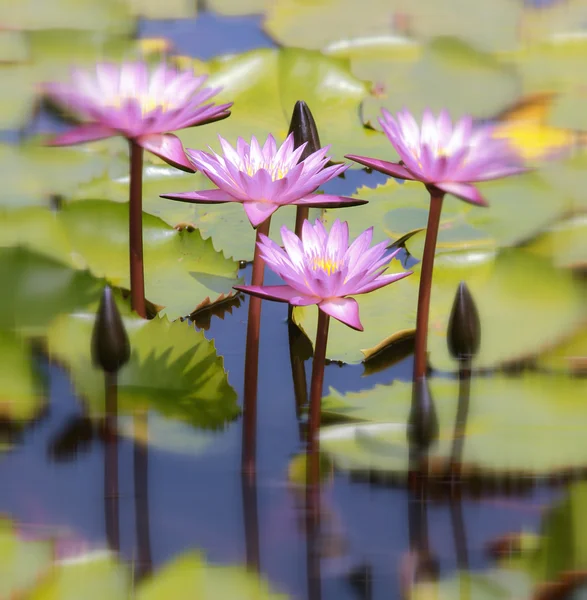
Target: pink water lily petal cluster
{"points": [[446, 156], [263, 178], [321, 268], [140, 104]]}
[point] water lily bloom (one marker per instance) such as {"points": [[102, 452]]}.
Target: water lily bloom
{"points": [[321, 268], [445, 156], [265, 178], [141, 105]]}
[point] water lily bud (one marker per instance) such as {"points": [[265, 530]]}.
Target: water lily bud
{"points": [[422, 422], [464, 328], [304, 129], [110, 345]]}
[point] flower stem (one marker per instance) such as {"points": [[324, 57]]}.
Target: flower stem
{"points": [[135, 224], [144, 563], [316, 386], [302, 213], [252, 361], [458, 441], [111, 462], [436, 197]]}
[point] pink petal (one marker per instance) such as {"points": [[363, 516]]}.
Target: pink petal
{"points": [[279, 293], [345, 310], [382, 166], [381, 281], [202, 197], [464, 191], [258, 212], [168, 147], [329, 201], [83, 133]]}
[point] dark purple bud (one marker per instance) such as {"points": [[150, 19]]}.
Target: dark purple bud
{"points": [[464, 328], [304, 129], [422, 422], [110, 345]]}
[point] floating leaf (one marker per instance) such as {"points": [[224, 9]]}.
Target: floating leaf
{"points": [[22, 563], [525, 305], [565, 243], [173, 369], [13, 46], [183, 272], [316, 24], [465, 80], [37, 289], [33, 174], [506, 418], [264, 86], [570, 355], [189, 576], [93, 577], [237, 7], [22, 393], [106, 15], [171, 9]]}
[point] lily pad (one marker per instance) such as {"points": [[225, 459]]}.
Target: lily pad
{"points": [[519, 208], [506, 418], [237, 7], [13, 47], [33, 174], [89, 15], [99, 577], [183, 272], [22, 395], [189, 576], [173, 369], [525, 305], [22, 563], [264, 86], [37, 289], [570, 355], [316, 24], [464, 79], [565, 243], [171, 9]]}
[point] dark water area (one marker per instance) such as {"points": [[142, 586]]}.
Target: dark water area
{"points": [[196, 499]]}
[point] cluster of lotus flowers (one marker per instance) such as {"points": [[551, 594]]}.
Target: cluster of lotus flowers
{"points": [[317, 267], [145, 106]]}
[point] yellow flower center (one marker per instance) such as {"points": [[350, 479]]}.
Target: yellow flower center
{"points": [[276, 171], [146, 103], [327, 265]]}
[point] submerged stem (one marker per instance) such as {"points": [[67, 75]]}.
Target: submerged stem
{"points": [[316, 386], [456, 455], [141, 483], [424, 292], [111, 462], [252, 360], [135, 229]]}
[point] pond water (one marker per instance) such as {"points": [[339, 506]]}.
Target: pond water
{"points": [[193, 498]]}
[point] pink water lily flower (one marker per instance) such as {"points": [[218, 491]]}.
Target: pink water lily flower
{"points": [[321, 268], [265, 178], [139, 104], [450, 158]]}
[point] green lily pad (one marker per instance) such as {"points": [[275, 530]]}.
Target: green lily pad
{"points": [[506, 418], [173, 369], [183, 272], [237, 7], [519, 208], [22, 395], [22, 563], [464, 79], [569, 177], [189, 576], [565, 243], [171, 9], [524, 302], [13, 47], [37, 289], [570, 355], [32, 174], [316, 24], [265, 85], [89, 15], [99, 576]]}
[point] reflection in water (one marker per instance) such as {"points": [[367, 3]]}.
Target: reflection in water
{"points": [[251, 521], [111, 462], [299, 350], [144, 564]]}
